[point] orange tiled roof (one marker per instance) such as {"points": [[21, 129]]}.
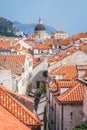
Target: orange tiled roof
{"points": [[43, 46], [31, 36], [57, 57], [23, 99], [68, 71], [3, 37], [10, 122], [13, 62], [80, 35], [66, 41], [66, 83], [14, 39], [72, 95], [12, 57], [62, 41], [5, 45], [71, 50], [67, 52], [55, 41], [28, 42], [53, 59], [17, 109], [54, 86], [36, 61], [17, 47]]}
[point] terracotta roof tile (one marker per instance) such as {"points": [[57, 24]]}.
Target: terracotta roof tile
{"points": [[60, 56], [12, 57], [10, 122], [43, 46], [55, 41], [36, 61], [3, 38], [51, 59], [72, 95], [71, 50], [66, 83], [13, 62], [5, 45], [17, 109], [57, 84], [67, 71], [57, 57], [31, 36], [23, 99], [65, 41], [80, 35]]}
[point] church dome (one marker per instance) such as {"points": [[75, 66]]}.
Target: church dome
{"points": [[39, 26]]}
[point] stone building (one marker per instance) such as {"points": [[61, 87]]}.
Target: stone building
{"points": [[40, 31], [59, 34], [21, 67], [83, 80], [64, 98], [63, 111], [6, 78]]}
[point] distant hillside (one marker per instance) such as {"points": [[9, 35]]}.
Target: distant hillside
{"points": [[29, 28], [7, 29]]}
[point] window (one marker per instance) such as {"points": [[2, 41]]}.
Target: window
{"points": [[71, 114], [38, 84]]}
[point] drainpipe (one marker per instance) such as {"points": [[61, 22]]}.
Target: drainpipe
{"points": [[62, 117]]}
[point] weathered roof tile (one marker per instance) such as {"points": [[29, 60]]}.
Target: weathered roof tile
{"points": [[17, 109], [72, 95]]}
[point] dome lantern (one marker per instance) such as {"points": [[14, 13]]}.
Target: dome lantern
{"points": [[39, 26], [40, 21]]}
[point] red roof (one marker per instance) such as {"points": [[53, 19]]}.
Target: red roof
{"points": [[12, 57], [80, 35], [73, 95], [17, 109], [10, 122], [5, 45], [67, 71], [36, 61], [66, 83], [43, 46]]}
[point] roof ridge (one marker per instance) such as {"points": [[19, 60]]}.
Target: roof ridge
{"points": [[68, 92], [14, 105], [66, 82], [10, 57], [19, 95], [15, 124]]}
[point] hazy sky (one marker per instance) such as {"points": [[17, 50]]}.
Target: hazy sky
{"points": [[67, 15]]}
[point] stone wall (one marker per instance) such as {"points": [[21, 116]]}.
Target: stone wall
{"points": [[71, 116], [62, 116], [6, 78], [38, 74], [85, 101]]}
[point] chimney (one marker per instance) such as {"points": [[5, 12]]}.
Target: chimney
{"points": [[81, 70]]}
